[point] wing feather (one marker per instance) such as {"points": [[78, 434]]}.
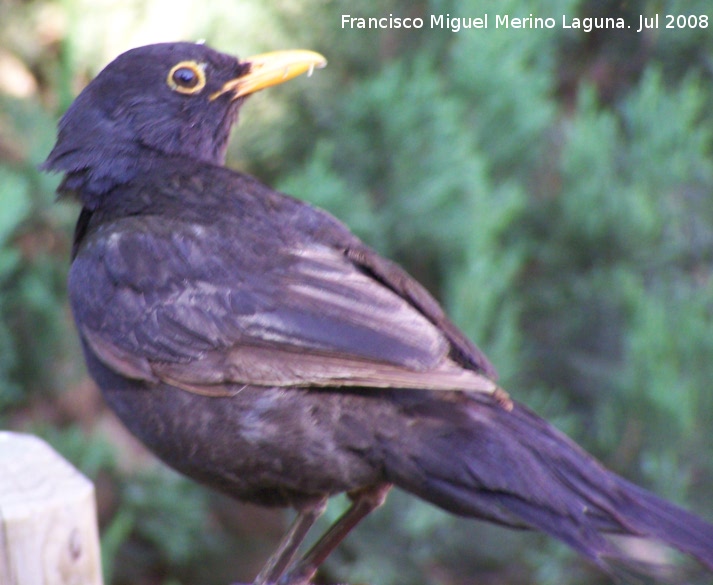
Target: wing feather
{"points": [[205, 312]]}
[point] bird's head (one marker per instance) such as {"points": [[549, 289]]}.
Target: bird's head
{"points": [[166, 99]]}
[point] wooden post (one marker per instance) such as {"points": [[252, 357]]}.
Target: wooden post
{"points": [[48, 521]]}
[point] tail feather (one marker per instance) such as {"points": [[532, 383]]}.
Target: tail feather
{"points": [[513, 468]]}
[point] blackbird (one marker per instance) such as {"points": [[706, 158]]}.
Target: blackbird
{"points": [[256, 345]]}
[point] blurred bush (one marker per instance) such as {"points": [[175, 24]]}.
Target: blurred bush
{"points": [[553, 188]]}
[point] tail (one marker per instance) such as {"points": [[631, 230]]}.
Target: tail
{"points": [[513, 468]]}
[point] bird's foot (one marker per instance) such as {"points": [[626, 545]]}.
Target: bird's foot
{"points": [[286, 580], [290, 578], [287, 583]]}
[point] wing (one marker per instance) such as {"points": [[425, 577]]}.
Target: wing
{"points": [[210, 308]]}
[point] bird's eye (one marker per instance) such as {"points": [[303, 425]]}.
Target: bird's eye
{"points": [[187, 77]]}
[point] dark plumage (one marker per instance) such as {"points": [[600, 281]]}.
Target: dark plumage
{"points": [[255, 344]]}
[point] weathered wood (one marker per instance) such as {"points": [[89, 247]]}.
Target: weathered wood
{"points": [[48, 522]]}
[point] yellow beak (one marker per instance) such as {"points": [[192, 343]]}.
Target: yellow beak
{"points": [[270, 69]]}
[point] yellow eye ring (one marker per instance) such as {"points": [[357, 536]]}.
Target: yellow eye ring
{"points": [[187, 77]]}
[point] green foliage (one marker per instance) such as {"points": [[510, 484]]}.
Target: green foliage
{"points": [[92, 454], [163, 526], [158, 501], [31, 293], [14, 199], [508, 105]]}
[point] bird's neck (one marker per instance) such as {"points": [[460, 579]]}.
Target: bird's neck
{"points": [[91, 176], [162, 185]]}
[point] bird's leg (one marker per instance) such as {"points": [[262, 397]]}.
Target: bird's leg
{"points": [[285, 552], [364, 501]]}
